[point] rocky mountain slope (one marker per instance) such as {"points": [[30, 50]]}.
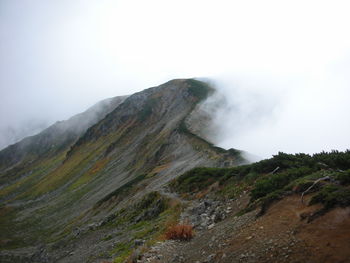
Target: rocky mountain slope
{"points": [[57, 137], [140, 182], [74, 176]]}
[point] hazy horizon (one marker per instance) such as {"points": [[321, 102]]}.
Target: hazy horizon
{"points": [[282, 66]]}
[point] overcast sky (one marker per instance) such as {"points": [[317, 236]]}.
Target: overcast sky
{"points": [[282, 65]]}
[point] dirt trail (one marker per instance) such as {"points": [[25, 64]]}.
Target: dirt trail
{"points": [[281, 235]]}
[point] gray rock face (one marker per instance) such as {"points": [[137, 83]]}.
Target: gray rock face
{"points": [[205, 213]]}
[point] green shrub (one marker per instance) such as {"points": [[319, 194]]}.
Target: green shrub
{"points": [[331, 196], [334, 159], [283, 161], [277, 181], [303, 183], [296, 172], [344, 177], [196, 179], [148, 200]]}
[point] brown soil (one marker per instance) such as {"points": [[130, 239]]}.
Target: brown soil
{"points": [[328, 237], [281, 235]]}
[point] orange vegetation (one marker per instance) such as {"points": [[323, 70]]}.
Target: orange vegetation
{"points": [[179, 232]]}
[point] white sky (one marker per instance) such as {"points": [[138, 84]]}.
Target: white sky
{"points": [[60, 57]]}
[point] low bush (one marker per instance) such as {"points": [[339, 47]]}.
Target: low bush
{"points": [[334, 159], [344, 177], [295, 174], [277, 181], [331, 196], [196, 179], [179, 232]]}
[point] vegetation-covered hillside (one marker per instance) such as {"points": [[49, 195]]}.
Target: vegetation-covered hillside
{"points": [[284, 196], [274, 178]]}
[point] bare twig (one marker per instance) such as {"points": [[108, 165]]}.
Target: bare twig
{"points": [[276, 169], [307, 190]]}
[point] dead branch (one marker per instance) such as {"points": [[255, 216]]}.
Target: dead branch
{"points": [[276, 169], [307, 190]]}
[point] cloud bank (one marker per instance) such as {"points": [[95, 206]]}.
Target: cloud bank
{"points": [[282, 65], [264, 116]]}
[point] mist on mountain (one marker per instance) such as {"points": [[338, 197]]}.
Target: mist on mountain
{"points": [[265, 114]]}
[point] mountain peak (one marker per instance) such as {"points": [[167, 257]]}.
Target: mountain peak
{"points": [[79, 165]]}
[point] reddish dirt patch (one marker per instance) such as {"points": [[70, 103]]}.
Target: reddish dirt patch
{"points": [[328, 237], [282, 236]]}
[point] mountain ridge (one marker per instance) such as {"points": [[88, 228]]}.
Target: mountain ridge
{"points": [[143, 136], [145, 184]]}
